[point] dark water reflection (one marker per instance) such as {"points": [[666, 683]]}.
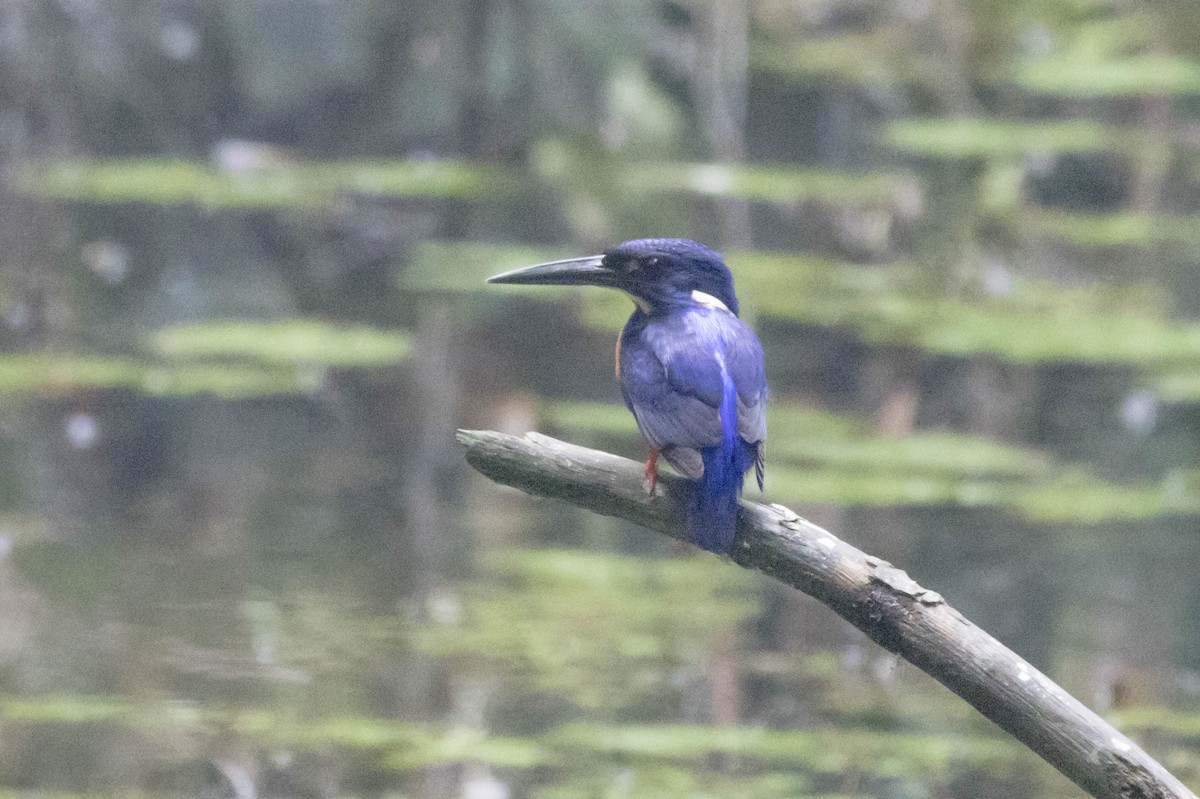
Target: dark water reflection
{"points": [[307, 594]]}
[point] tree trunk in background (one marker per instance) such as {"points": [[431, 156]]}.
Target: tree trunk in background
{"points": [[719, 87], [1154, 161], [428, 528], [473, 109]]}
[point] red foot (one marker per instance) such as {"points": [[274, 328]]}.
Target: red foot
{"points": [[652, 471]]}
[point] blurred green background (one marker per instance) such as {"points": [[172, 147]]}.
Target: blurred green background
{"points": [[242, 245]]}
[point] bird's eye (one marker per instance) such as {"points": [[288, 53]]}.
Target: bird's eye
{"points": [[652, 260]]}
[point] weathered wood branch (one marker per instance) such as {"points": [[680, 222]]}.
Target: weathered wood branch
{"points": [[879, 599]]}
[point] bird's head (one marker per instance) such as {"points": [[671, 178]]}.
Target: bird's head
{"points": [[658, 274]]}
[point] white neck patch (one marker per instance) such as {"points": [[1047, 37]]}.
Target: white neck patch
{"points": [[709, 301]]}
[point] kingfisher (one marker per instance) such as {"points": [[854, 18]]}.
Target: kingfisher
{"points": [[690, 370]]}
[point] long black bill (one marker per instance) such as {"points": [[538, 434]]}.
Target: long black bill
{"points": [[587, 271]]}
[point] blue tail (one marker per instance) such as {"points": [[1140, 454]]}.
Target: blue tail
{"points": [[712, 517]]}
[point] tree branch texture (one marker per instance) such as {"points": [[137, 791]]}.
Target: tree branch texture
{"points": [[877, 598]]}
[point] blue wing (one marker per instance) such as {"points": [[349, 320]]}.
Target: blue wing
{"points": [[674, 374]]}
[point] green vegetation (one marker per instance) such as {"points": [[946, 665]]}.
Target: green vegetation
{"points": [[51, 373], [278, 183], [553, 621], [232, 360], [966, 137], [1121, 229], [462, 267], [1131, 76], [649, 748], [309, 590], [287, 183], [295, 341], [892, 305], [770, 184], [815, 456]]}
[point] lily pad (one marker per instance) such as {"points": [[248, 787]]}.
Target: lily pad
{"points": [[57, 373], [1035, 322], [279, 184], [1127, 76], [819, 457], [294, 341], [774, 184], [981, 137]]}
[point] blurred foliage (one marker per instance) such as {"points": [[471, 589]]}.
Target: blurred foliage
{"points": [[1124, 229], [816, 457], [906, 191], [997, 138], [294, 341], [204, 359], [50, 374], [1033, 321], [602, 631], [271, 180], [788, 759], [275, 180], [1128, 77]]}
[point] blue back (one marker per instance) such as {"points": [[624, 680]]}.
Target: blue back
{"points": [[692, 374]]}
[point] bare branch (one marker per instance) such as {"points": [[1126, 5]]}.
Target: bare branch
{"points": [[879, 599]]}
